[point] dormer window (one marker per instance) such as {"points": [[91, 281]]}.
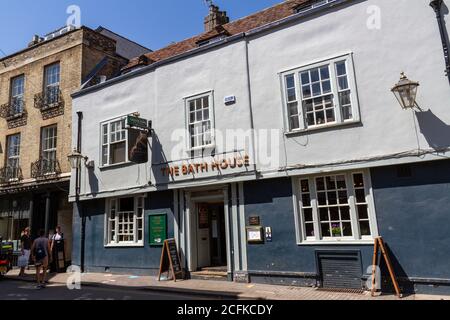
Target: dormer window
{"points": [[217, 34], [210, 41], [313, 5]]}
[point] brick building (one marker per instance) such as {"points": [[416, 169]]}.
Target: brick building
{"points": [[36, 119]]}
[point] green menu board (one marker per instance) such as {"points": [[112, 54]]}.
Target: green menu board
{"points": [[157, 229]]}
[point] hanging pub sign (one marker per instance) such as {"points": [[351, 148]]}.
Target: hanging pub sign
{"points": [[138, 146]]}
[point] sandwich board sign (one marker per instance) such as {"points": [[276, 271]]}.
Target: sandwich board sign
{"points": [[170, 261]]}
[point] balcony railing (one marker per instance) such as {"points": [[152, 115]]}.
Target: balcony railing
{"points": [[13, 110], [45, 168], [49, 99], [10, 175]]}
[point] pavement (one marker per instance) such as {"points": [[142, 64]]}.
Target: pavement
{"points": [[208, 288]]}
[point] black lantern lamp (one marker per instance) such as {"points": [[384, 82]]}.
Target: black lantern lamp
{"points": [[406, 91]]}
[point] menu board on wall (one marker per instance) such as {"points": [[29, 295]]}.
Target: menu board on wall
{"points": [[157, 229]]}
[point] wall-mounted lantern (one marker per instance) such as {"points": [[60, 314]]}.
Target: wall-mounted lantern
{"points": [[75, 159], [406, 91]]}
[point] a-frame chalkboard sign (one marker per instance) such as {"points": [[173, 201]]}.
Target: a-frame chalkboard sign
{"points": [[380, 245], [170, 261]]}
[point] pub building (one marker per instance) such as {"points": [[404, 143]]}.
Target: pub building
{"points": [[276, 151]]}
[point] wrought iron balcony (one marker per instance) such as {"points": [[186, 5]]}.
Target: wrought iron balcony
{"points": [[49, 99], [45, 168], [13, 110], [10, 175]]}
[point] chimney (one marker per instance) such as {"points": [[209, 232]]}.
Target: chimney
{"points": [[36, 39], [215, 18]]}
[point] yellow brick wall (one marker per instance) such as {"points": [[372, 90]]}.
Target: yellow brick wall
{"points": [[78, 52], [68, 52]]}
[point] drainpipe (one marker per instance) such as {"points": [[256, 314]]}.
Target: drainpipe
{"points": [[437, 7], [77, 196]]}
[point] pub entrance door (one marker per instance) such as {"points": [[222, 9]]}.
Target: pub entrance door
{"points": [[211, 235]]}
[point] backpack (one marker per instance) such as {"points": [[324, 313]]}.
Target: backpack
{"points": [[39, 252]]}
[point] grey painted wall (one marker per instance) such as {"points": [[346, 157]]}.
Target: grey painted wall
{"points": [[139, 260]]}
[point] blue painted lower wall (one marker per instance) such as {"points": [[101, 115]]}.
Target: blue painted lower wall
{"points": [[413, 215], [137, 260], [282, 258]]}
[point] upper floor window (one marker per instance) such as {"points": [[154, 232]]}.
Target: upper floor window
{"points": [[321, 94], [51, 84], [12, 168], [336, 207], [13, 151], [125, 221], [199, 122], [17, 93], [114, 142], [49, 138]]}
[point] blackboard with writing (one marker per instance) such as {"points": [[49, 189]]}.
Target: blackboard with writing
{"points": [[170, 261]]}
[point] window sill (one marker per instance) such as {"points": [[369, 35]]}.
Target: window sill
{"points": [[125, 245], [116, 165], [208, 147], [336, 242], [324, 127]]}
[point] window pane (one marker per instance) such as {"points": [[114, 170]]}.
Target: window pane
{"points": [[343, 83], [117, 153], [315, 75], [326, 231], [325, 73], [309, 228], [340, 68], [365, 228], [126, 204], [347, 229], [305, 185], [305, 78], [308, 215], [362, 212], [360, 196], [323, 213], [290, 82], [345, 213]]}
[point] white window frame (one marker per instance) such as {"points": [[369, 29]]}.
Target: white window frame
{"points": [[46, 137], [331, 62], [13, 157], [52, 87], [102, 144], [15, 96], [107, 227], [317, 239], [187, 100]]}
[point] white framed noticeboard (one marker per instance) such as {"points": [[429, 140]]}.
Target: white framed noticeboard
{"points": [[255, 235]]}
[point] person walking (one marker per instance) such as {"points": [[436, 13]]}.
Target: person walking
{"points": [[40, 251], [25, 245]]}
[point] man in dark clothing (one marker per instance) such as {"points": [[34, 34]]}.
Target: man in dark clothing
{"points": [[25, 245]]}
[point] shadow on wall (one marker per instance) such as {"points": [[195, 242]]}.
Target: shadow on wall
{"points": [[436, 132], [407, 287], [93, 182], [158, 156]]}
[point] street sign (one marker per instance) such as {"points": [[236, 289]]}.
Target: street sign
{"points": [[137, 122]]}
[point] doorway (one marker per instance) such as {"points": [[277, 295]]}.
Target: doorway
{"points": [[211, 237]]}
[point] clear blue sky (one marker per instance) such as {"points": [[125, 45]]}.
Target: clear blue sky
{"points": [[149, 22]]}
